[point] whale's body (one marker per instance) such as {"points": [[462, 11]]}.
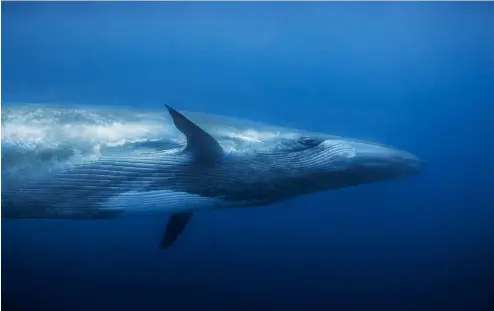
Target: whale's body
{"points": [[84, 163]]}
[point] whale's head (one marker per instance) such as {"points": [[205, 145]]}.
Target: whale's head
{"points": [[335, 162], [293, 163]]}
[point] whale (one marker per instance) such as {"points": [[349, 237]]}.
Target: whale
{"points": [[97, 162]]}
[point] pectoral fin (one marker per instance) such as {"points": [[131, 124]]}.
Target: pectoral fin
{"points": [[175, 227]]}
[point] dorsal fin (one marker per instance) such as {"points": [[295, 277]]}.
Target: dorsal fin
{"points": [[199, 142]]}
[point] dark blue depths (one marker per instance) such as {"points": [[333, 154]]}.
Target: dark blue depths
{"points": [[419, 76]]}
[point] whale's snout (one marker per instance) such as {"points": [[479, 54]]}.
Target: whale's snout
{"points": [[412, 163], [385, 162]]}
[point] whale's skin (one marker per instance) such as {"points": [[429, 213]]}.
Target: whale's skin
{"points": [[88, 162]]}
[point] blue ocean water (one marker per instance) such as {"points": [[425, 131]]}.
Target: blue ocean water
{"points": [[416, 75]]}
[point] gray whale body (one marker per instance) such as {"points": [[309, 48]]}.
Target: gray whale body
{"points": [[89, 163]]}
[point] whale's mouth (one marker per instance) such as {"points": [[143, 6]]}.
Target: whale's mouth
{"points": [[415, 166], [389, 163], [367, 161]]}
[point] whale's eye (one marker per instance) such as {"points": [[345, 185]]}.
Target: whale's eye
{"points": [[299, 144], [310, 141]]}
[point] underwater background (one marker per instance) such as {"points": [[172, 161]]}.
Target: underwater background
{"points": [[416, 75]]}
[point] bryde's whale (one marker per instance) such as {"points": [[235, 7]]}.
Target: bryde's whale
{"points": [[88, 163]]}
